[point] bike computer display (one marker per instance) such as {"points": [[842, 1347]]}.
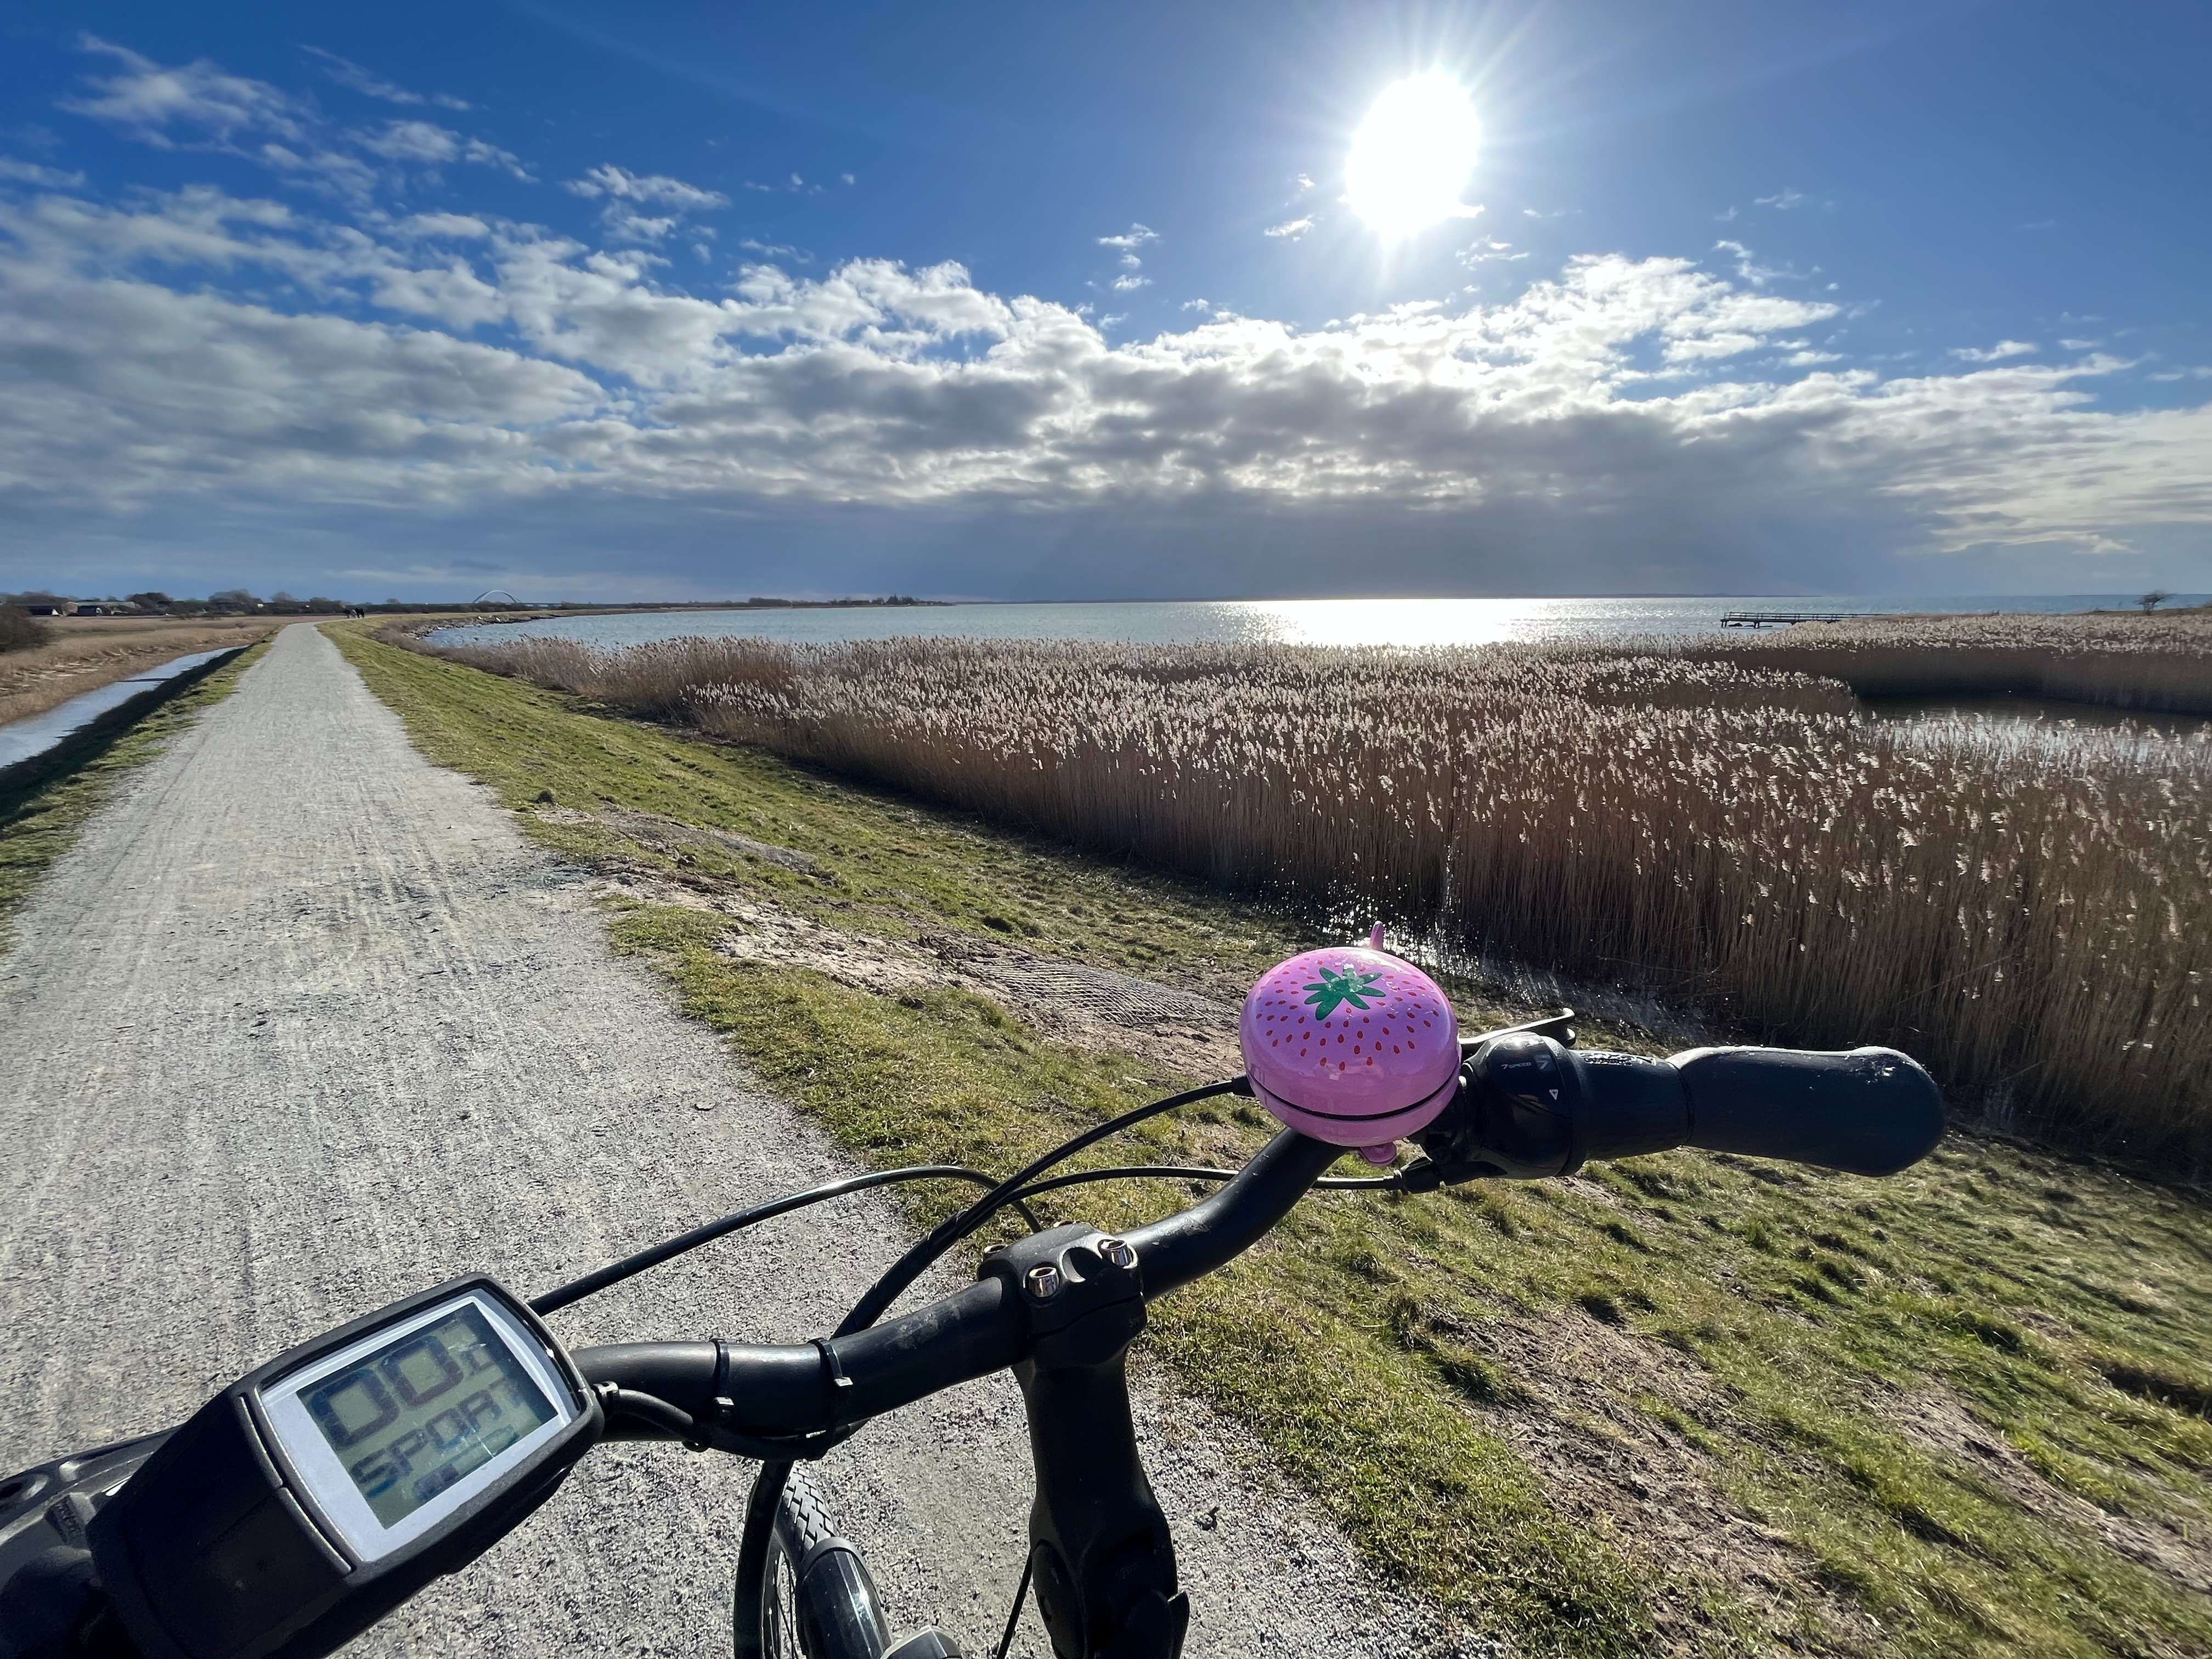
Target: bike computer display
{"points": [[402, 1428], [309, 1498]]}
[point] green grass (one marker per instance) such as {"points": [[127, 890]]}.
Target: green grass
{"points": [[1477, 1384], [37, 826]]}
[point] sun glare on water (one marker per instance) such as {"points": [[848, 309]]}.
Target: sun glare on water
{"points": [[1412, 155]]}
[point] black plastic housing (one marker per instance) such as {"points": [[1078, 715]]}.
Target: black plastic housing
{"points": [[207, 1552]]}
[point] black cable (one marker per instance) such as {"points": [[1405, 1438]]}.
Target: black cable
{"points": [[911, 1266], [630, 1266], [671, 1421], [1021, 1594], [1179, 1172]]}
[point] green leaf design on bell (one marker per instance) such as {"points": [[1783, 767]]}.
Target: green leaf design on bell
{"points": [[1348, 985]]}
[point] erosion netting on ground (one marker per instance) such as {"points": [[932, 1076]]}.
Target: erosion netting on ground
{"points": [[2032, 922]]}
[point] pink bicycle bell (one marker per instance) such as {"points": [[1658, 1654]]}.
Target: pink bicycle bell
{"points": [[1351, 1046]]}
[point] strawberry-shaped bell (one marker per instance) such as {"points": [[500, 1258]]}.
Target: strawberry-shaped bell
{"points": [[1351, 1046]]}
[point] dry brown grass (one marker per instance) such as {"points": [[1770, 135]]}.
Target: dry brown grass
{"points": [[2035, 922], [87, 653], [2161, 662]]}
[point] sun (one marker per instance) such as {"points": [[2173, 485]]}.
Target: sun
{"points": [[1412, 155]]}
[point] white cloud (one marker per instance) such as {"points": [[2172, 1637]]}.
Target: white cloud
{"points": [[1124, 284], [848, 177], [137, 368], [193, 103], [618, 184], [330, 171], [352, 76], [425, 144], [413, 141], [2080, 345], [1996, 354], [1197, 305], [202, 106], [1748, 268], [624, 196], [30, 172], [1489, 250], [1291, 229], [1304, 181], [1135, 237], [464, 226], [1783, 199]]}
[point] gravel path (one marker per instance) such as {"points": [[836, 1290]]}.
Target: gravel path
{"points": [[304, 1025]]}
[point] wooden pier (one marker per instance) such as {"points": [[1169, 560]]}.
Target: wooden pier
{"points": [[1784, 618]]}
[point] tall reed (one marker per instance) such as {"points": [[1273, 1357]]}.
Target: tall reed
{"points": [[2034, 921], [2161, 662]]}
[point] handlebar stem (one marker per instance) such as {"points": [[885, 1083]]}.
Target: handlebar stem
{"points": [[1103, 1561]]}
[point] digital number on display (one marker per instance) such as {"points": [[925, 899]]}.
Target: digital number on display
{"points": [[419, 1414]]}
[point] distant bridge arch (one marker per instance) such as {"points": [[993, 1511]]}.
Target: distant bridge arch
{"points": [[490, 594]]}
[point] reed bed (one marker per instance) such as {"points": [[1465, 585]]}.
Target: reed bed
{"points": [[2033, 921], [2161, 662]]}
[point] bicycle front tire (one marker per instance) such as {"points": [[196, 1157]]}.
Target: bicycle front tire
{"points": [[819, 1601]]}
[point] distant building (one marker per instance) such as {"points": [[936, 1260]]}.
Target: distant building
{"points": [[44, 610], [89, 610]]}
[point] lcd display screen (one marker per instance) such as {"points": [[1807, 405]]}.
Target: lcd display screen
{"points": [[423, 1410]]}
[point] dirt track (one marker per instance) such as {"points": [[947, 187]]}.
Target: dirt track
{"points": [[303, 1024]]}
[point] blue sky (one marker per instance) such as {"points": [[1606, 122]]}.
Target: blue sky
{"points": [[1041, 299]]}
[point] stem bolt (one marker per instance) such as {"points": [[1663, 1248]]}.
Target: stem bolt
{"points": [[1041, 1281], [1119, 1251]]}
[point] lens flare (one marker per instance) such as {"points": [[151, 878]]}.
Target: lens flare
{"points": [[1412, 155]]}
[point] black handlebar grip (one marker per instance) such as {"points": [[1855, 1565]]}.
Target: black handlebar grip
{"points": [[1867, 1111], [1529, 1107]]}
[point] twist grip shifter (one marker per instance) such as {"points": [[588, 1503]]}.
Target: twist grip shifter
{"points": [[1528, 1108]]}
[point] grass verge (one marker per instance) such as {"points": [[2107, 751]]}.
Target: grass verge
{"points": [[38, 825], [1683, 1404]]}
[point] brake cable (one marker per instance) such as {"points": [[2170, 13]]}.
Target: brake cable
{"points": [[630, 1266], [919, 1259], [1182, 1172]]}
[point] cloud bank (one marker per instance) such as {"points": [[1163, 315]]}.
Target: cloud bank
{"points": [[330, 374]]}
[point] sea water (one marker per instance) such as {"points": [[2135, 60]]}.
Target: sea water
{"points": [[1289, 621]]}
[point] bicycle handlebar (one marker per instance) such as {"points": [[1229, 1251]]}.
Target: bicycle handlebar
{"points": [[766, 1392], [1528, 1107]]}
